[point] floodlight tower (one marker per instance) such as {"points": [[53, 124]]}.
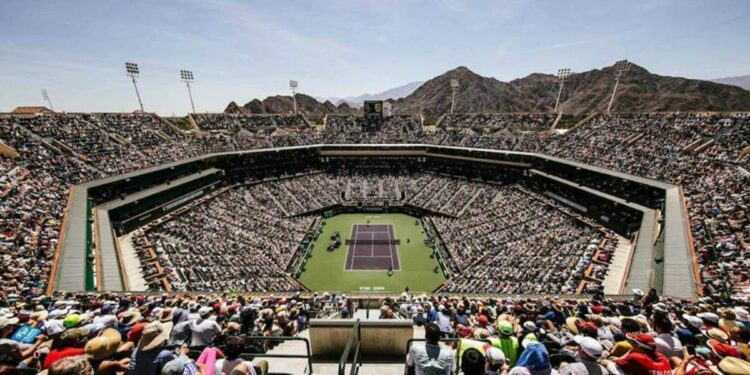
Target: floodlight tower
{"points": [[187, 77], [454, 87], [132, 70], [561, 75], [46, 98], [293, 86], [621, 67]]}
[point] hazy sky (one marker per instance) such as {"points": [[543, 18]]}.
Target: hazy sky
{"points": [[240, 50]]}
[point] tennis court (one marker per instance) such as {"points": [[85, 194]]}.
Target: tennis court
{"points": [[372, 247]]}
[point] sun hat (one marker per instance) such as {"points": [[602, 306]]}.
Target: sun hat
{"points": [[717, 334], [166, 315], [572, 324], [130, 317], [589, 345], [71, 336], [642, 340], [734, 366], [99, 348], [154, 335]]}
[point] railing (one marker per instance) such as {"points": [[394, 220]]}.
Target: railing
{"points": [[411, 341], [354, 342], [307, 355]]}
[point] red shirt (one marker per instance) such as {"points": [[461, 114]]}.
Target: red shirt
{"points": [[641, 363], [56, 355]]}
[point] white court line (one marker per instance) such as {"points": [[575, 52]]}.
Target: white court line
{"points": [[390, 248], [352, 249], [398, 254], [372, 245], [376, 256]]}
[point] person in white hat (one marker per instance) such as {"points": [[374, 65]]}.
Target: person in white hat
{"points": [[589, 353], [204, 328], [495, 363]]}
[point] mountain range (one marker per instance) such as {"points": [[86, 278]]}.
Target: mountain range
{"points": [[394, 93], [639, 91], [740, 81]]}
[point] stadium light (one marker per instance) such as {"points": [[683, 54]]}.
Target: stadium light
{"points": [[621, 67], [46, 98], [187, 77], [561, 75], [293, 86], [132, 70], [454, 87]]}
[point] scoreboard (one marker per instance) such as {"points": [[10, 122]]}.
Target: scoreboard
{"points": [[373, 108]]}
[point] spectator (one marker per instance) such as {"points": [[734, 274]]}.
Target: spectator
{"points": [[431, 358]]}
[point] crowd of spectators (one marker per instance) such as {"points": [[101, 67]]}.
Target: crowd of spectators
{"points": [[700, 152], [558, 248], [643, 335], [667, 147], [239, 240], [149, 334], [495, 121], [223, 333]]}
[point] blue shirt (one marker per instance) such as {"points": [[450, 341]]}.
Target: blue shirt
{"points": [[149, 362]]}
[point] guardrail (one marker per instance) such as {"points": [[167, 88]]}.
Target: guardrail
{"points": [[354, 342], [307, 356]]}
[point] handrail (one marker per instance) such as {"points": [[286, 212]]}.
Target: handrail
{"points": [[307, 355], [354, 341]]}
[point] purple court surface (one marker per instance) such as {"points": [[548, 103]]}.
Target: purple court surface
{"points": [[372, 248]]}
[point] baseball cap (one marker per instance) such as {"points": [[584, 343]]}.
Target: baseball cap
{"points": [[203, 311], [483, 320], [495, 356], [709, 316], [589, 345], [505, 327], [72, 320], [693, 320]]}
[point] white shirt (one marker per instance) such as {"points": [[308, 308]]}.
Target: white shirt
{"points": [[443, 364], [669, 345], [203, 331]]}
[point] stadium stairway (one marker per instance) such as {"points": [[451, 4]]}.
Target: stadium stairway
{"points": [[299, 366], [618, 266]]}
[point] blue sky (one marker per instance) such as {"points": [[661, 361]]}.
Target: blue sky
{"points": [[240, 50]]}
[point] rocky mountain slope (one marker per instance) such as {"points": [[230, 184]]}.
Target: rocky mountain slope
{"points": [[639, 91]]}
